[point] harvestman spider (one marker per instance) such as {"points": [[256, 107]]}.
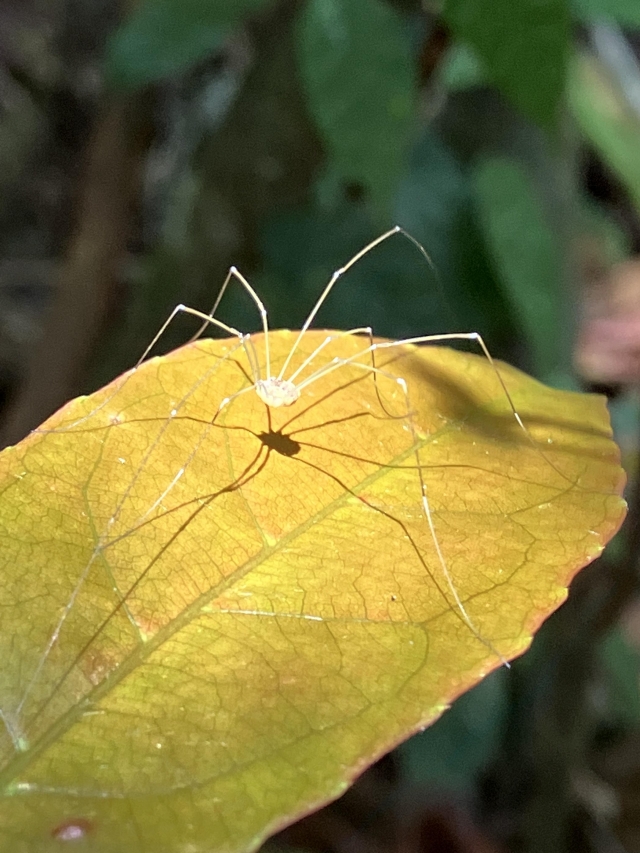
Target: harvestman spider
{"points": [[281, 390]]}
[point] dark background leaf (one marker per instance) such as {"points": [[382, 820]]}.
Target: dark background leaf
{"points": [[356, 68], [165, 37], [524, 46]]}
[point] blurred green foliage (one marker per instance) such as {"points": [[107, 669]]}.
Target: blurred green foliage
{"points": [[624, 12], [360, 89], [607, 119], [527, 254], [621, 662], [163, 37], [450, 754], [511, 38]]}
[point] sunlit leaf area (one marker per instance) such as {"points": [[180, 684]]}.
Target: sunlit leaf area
{"points": [[348, 561]]}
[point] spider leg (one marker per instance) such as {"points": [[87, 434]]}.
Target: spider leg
{"points": [[475, 337], [208, 319], [234, 273], [104, 540], [426, 507], [328, 368], [360, 331], [461, 336], [224, 403], [342, 270], [478, 339], [423, 339]]}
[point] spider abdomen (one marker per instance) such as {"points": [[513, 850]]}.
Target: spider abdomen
{"points": [[277, 392]]}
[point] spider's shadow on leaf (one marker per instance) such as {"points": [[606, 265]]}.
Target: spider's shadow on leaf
{"points": [[281, 443]]}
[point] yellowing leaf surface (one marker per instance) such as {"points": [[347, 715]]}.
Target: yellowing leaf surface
{"points": [[212, 620]]}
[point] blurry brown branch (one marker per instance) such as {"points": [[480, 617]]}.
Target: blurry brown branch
{"points": [[88, 271]]}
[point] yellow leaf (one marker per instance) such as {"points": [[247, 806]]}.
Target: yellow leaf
{"points": [[212, 620]]}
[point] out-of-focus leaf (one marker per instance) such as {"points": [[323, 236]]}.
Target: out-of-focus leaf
{"points": [[301, 249], [164, 37], [526, 254], [449, 754], [610, 243], [461, 68], [622, 663], [625, 414], [356, 66], [524, 47], [435, 205], [607, 120], [624, 12], [430, 199], [213, 620]]}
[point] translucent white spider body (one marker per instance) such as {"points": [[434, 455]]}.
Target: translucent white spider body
{"points": [[277, 392]]}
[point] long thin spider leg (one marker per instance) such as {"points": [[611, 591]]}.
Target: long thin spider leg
{"points": [[236, 485], [255, 369], [336, 363], [103, 539], [421, 339], [179, 309], [234, 272], [426, 508], [184, 309], [477, 338], [245, 340], [362, 330], [224, 403], [469, 336], [341, 271], [15, 733]]}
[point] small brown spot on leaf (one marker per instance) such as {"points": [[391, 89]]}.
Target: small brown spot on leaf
{"points": [[72, 830]]}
